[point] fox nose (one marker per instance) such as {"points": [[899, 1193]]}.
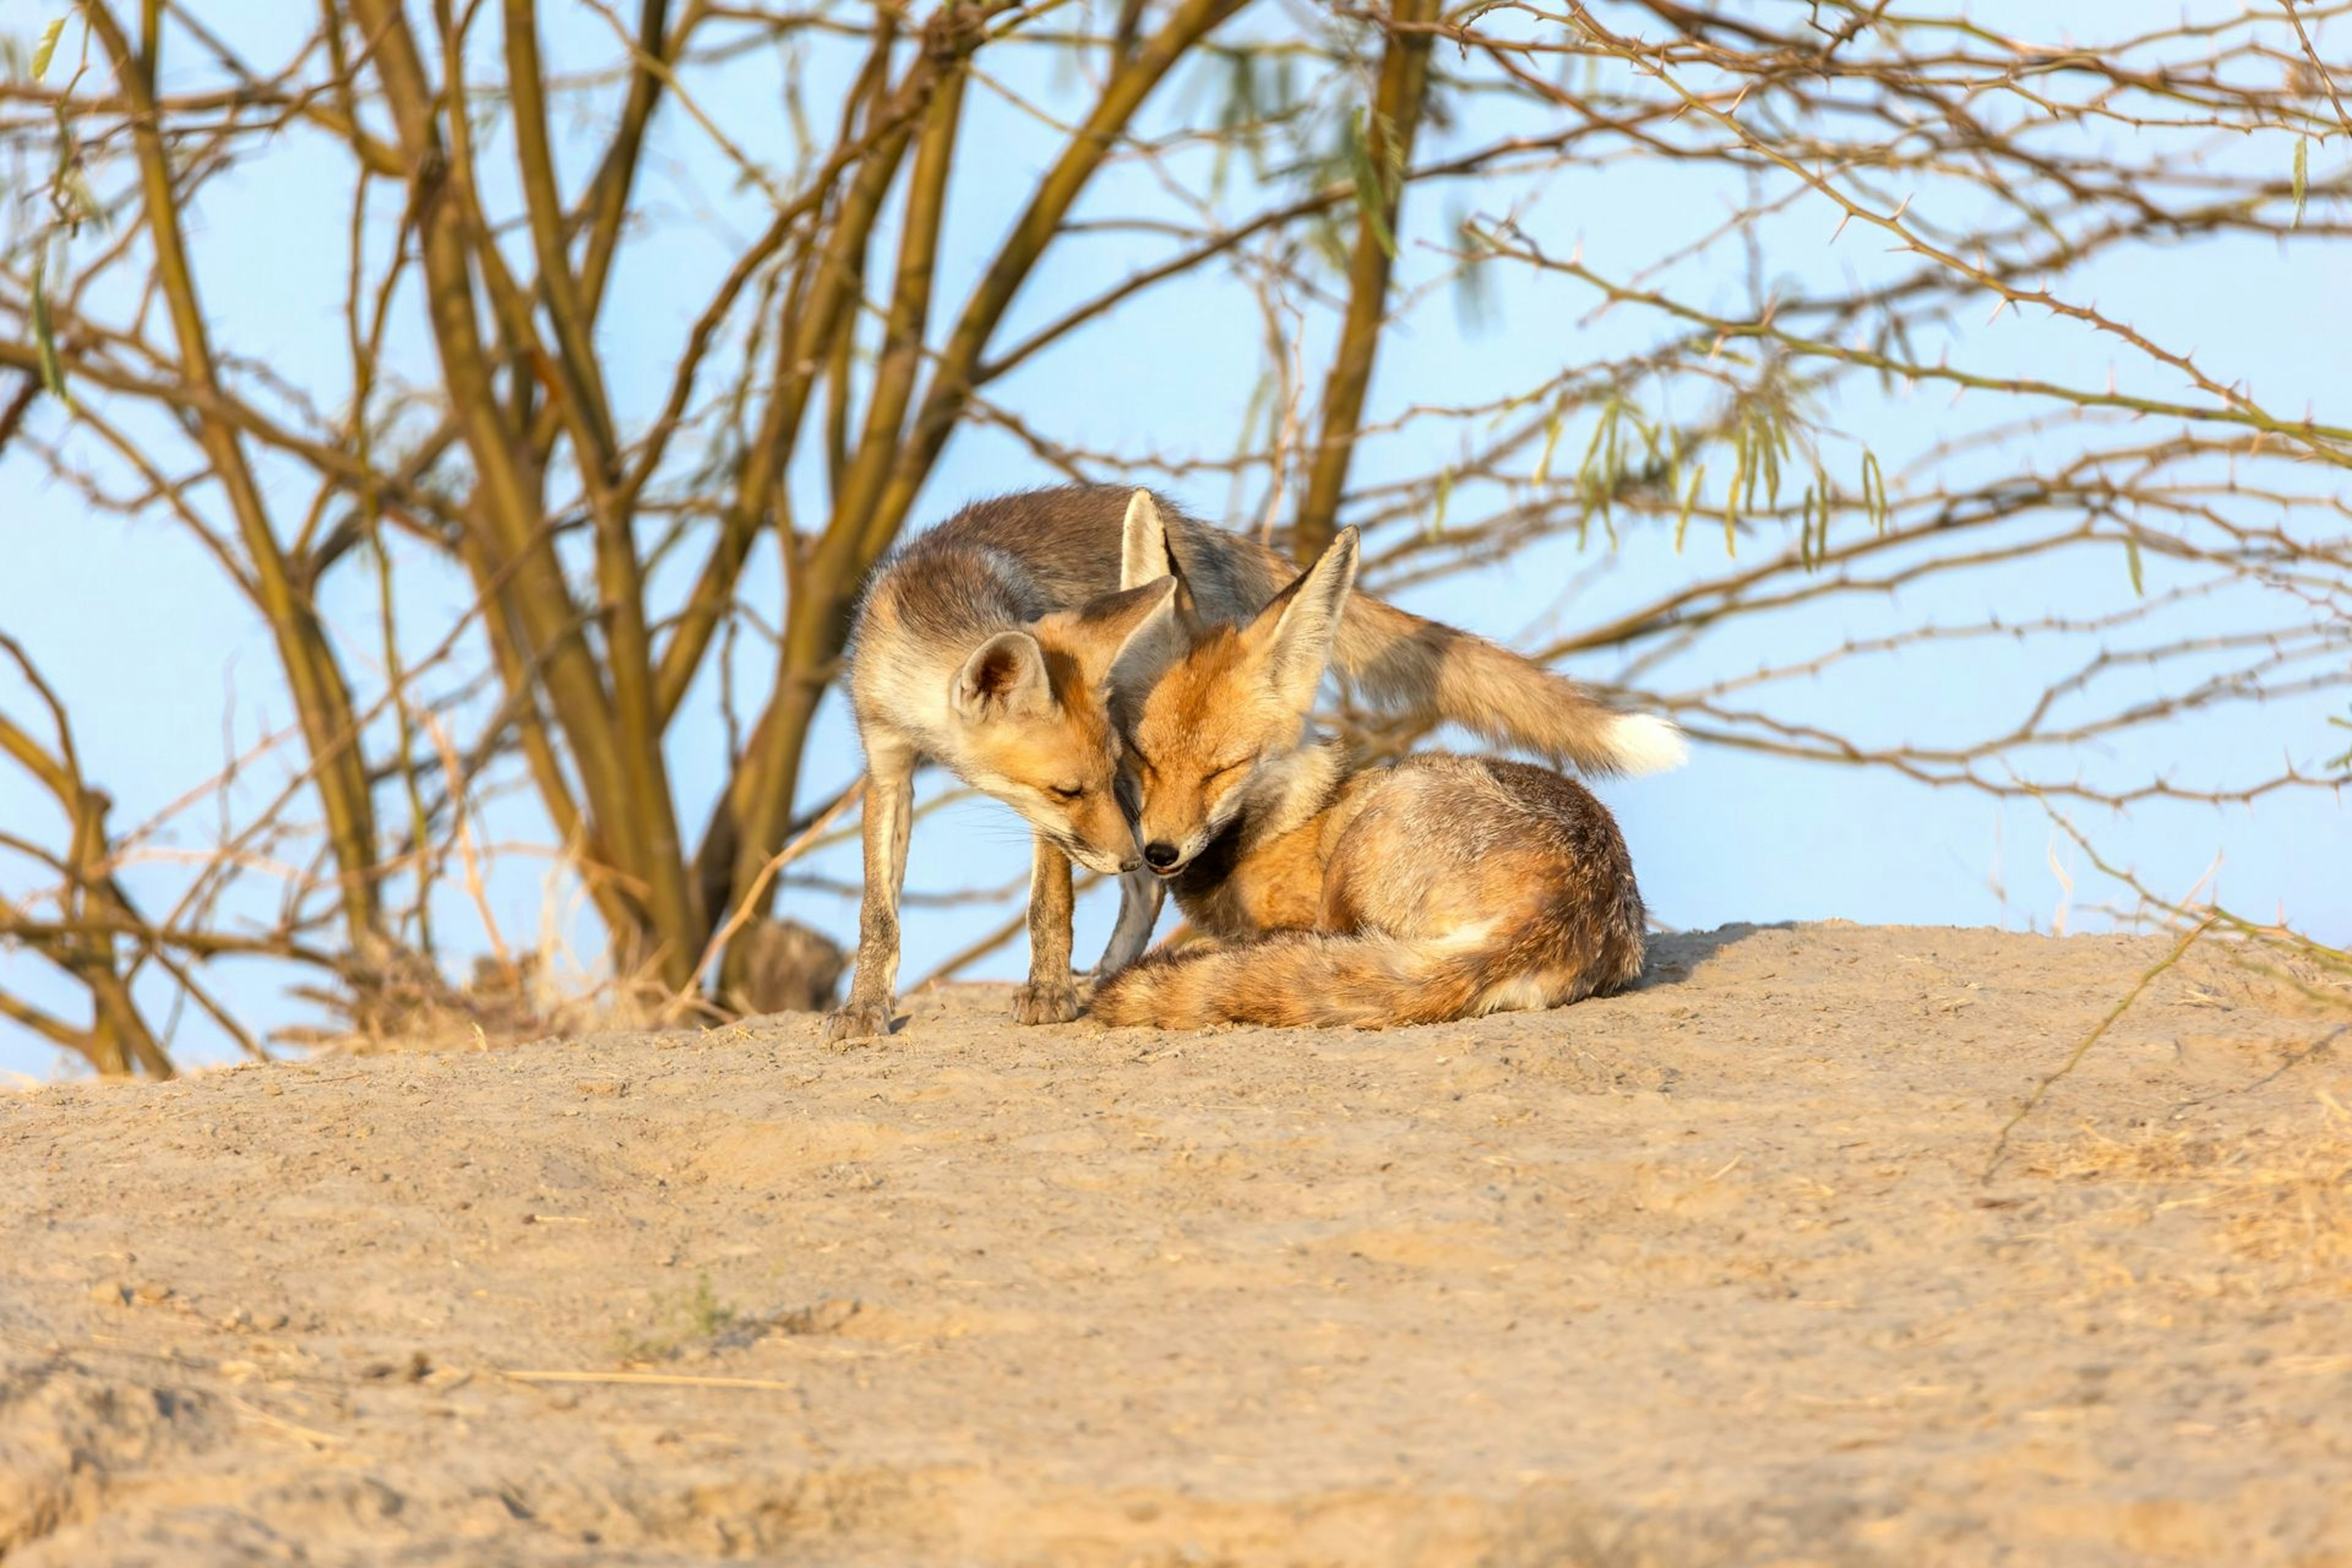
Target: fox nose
{"points": [[1159, 853]]}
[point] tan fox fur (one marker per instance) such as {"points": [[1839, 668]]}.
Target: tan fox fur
{"points": [[1443, 886], [989, 642]]}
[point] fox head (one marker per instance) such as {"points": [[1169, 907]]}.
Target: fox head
{"points": [[1032, 709], [1228, 709]]}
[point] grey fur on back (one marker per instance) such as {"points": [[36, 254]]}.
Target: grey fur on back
{"points": [[1013, 558]]}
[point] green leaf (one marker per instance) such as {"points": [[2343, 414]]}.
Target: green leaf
{"points": [[2301, 173], [53, 375], [2131, 562], [1551, 440], [2335, 764], [1371, 193], [1739, 475], [1690, 500], [44, 50], [1445, 494], [1324, 232]]}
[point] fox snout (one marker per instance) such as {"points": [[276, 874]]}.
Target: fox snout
{"points": [[1101, 856], [1096, 859], [1165, 853]]}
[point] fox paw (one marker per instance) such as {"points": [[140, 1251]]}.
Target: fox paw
{"points": [[858, 1021], [1049, 1003]]}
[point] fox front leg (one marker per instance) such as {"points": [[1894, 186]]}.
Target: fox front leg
{"points": [[1049, 997], [1140, 896], [889, 818]]}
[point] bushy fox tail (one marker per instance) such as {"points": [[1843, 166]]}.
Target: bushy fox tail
{"points": [[1401, 661], [1298, 979], [1315, 980]]}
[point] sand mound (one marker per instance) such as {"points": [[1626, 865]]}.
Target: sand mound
{"points": [[1706, 1274]]}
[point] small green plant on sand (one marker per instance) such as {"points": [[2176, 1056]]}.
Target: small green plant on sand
{"points": [[681, 1320]]}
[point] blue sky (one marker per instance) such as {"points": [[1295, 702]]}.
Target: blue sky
{"points": [[168, 672]]}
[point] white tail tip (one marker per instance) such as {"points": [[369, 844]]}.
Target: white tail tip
{"points": [[1646, 744]]}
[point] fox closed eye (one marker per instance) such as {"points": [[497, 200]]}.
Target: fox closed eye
{"points": [[1065, 792], [1214, 774]]}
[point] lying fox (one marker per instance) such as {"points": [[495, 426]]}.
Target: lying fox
{"points": [[1442, 887], [993, 643]]}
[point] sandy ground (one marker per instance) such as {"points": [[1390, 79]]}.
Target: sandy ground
{"points": [[1706, 1274]]}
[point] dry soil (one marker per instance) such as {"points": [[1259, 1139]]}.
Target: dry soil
{"points": [[1706, 1274]]}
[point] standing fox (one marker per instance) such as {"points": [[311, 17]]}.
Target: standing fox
{"points": [[1442, 887], [993, 643]]}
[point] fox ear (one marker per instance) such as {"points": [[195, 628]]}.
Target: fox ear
{"points": [[1144, 552], [1143, 544], [1003, 678], [1132, 631], [1293, 635]]}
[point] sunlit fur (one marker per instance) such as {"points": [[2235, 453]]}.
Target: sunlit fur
{"points": [[965, 651], [1201, 740], [1014, 564], [1442, 887], [1029, 761]]}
